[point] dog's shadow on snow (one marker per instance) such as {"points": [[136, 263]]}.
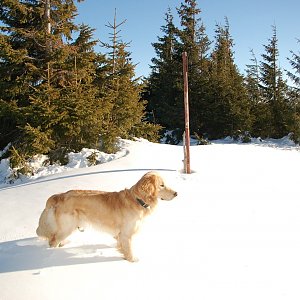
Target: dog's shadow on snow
{"points": [[34, 254]]}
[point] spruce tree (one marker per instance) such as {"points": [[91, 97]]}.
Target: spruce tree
{"points": [[19, 63], [260, 113], [122, 95], [166, 79], [194, 41], [47, 79], [165, 84], [228, 100], [295, 64], [295, 94], [253, 80], [275, 90]]}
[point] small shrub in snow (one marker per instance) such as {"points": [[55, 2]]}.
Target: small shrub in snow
{"points": [[19, 163], [92, 158], [173, 137], [201, 140]]}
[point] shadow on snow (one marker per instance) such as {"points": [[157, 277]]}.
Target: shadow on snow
{"points": [[58, 177], [34, 254]]}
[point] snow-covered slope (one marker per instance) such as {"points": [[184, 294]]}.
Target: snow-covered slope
{"points": [[233, 232]]}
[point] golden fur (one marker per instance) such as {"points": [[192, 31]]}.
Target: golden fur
{"points": [[118, 213]]}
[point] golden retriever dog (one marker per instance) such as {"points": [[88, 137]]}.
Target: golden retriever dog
{"points": [[118, 213]]}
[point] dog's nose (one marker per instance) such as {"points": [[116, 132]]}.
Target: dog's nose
{"points": [[175, 194]]}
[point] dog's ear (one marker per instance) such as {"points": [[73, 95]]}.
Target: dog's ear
{"points": [[148, 185]]}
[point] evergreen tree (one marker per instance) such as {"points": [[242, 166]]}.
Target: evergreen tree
{"points": [[165, 84], [229, 105], [122, 94], [46, 83], [194, 41], [19, 62], [274, 90], [253, 80], [295, 64], [295, 94], [166, 79], [260, 113]]}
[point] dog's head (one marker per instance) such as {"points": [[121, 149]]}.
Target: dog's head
{"points": [[152, 184]]}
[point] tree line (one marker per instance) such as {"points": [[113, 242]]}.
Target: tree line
{"points": [[223, 102], [57, 94]]}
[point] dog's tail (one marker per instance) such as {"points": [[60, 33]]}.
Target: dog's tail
{"points": [[47, 222]]}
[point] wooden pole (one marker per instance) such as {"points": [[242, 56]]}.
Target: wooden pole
{"points": [[187, 163], [47, 16]]}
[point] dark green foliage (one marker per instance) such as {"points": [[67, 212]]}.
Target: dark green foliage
{"points": [[122, 95], [273, 103], [274, 90], [228, 102], [166, 79], [51, 86], [194, 41], [294, 95], [201, 140], [56, 94], [146, 130], [219, 104], [259, 111], [19, 162], [92, 159], [165, 84], [222, 101], [295, 63]]}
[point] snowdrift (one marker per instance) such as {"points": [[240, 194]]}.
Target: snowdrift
{"points": [[233, 232]]}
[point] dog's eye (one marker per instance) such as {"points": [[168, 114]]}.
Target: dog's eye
{"points": [[162, 185]]}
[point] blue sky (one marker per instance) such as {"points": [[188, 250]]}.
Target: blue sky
{"points": [[250, 25]]}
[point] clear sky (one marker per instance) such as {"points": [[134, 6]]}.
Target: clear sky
{"points": [[250, 25]]}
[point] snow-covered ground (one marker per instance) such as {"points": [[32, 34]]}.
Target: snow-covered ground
{"points": [[233, 232]]}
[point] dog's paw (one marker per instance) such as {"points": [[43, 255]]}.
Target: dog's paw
{"points": [[63, 243], [131, 258]]}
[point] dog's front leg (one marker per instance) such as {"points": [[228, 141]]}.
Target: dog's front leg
{"points": [[124, 245]]}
